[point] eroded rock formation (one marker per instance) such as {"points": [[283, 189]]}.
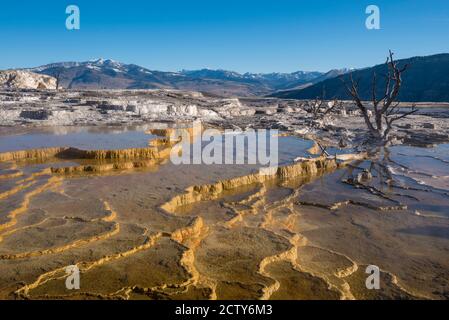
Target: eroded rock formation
{"points": [[17, 79]]}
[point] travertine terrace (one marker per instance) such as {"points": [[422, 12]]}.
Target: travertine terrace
{"points": [[124, 107], [139, 227]]}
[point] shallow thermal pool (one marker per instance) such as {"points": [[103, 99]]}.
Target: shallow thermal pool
{"points": [[137, 229], [86, 138]]}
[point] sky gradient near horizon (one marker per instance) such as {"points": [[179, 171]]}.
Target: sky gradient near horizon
{"points": [[239, 35]]}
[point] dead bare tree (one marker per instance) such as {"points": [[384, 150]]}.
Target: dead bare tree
{"points": [[385, 110], [58, 79], [57, 83], [320, 108], [57, 74]]}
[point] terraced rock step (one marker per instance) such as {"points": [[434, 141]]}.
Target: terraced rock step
{"points": [[306, 230]]}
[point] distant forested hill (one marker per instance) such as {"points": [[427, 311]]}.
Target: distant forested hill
{"points": [[426, 80]]}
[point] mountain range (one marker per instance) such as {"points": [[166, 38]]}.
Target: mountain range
{"points": [[425, 80], [110, 74]]}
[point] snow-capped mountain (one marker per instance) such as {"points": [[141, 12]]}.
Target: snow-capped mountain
{"points": [[107, 74], [427, 80], [96, 64], [110, 74], [274, 81]]}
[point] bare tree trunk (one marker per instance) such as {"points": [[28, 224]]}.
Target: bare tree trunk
{"points": [[58, 78], [384, 109]]}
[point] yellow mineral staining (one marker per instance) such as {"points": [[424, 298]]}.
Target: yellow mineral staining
{"points": [[122, 159], [11, 175], [74, 153], [411, 292], [24, 184], [39, 154], [101, 168], [289, 255], [33, 176], [12, 165], [277, 226], [159, 142], [254, 211], [348, 271], [191, 237], [52, 182], [192, 231], [257, 204], [113, 214], [213, 191], [283, 134], [255, 201], [123, 154], [328, 265], [15, 190], [85, 266], [174, 134], [76, 244], [151, 152], [315, 149], [126, 159], [7, 233]]}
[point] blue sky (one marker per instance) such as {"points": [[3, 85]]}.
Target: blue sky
{"points": [[243, 35]]}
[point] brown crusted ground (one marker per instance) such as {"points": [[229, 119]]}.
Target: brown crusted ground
{"points": [[146, 233]]}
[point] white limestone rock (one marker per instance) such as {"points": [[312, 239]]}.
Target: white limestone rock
{"points": [[18, 79]]}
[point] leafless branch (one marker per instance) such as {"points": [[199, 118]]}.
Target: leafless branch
{"points": [[385, 109]]}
